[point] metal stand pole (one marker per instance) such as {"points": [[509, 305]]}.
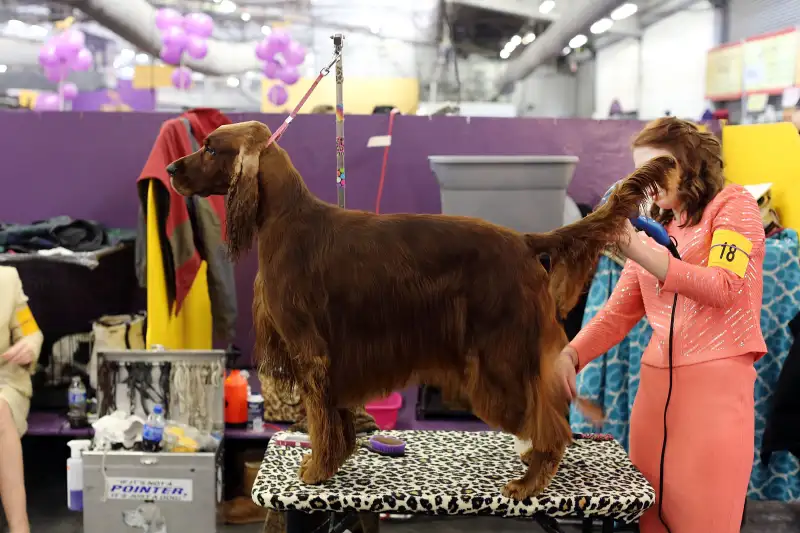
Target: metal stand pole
{"points": [[338, 41]]}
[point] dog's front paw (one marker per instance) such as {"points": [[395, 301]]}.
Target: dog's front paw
{"points": [[518, 490], [309, 472]]}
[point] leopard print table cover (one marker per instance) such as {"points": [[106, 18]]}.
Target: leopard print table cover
{"points": [[459, 473]]}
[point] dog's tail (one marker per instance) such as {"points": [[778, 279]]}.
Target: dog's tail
{"points": [[574, 249]]}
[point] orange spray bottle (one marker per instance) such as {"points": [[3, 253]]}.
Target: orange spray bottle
{"points": [[236, 388]]}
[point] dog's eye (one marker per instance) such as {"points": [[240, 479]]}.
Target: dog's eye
{"points": [[210, 150]]}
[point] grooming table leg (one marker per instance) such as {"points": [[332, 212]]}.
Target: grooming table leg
{"points": [[608, 525], [548, 523], [587, 525]]}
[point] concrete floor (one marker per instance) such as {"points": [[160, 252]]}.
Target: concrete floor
{"points": [[46, 481]]}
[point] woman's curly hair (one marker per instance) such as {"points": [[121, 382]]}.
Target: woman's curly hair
{"points": [[699, 156]]}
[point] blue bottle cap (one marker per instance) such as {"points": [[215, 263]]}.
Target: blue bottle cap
{"points": [[157, 409]]}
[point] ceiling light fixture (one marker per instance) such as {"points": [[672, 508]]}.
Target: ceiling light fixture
{"points": [[515, 41], [246, 17], [3, 68], [505, 53], [233, 81], [529, 38], [226, 6], [578, 41], [375, 29], [142, 58], [566, 50], [546, 6], [601, 26], [624, 11], [266, 30]]}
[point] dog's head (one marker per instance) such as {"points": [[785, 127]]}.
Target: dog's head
{"points": [[146, 517], [231, 162]]}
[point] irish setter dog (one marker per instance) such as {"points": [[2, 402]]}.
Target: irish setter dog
{"points": [[350, 305]]}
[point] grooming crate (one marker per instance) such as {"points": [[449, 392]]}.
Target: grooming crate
{"points": [[163, 492]]}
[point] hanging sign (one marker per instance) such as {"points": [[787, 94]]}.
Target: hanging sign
{"points": [[770, 62], [724, 72]]}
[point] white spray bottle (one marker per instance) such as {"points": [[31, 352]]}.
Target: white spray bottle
{"points": [[75, 473]]}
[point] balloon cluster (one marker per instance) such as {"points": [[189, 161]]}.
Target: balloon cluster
{"points": [[181, 34], [61, 53], [281, 56]]}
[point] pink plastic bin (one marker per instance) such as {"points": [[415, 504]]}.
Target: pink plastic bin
{"points": [[385, 410]]}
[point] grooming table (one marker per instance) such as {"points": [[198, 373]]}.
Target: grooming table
{"points": [[461, 473]]}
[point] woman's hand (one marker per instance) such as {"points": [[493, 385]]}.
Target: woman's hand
{"points": [[20, 354], [566, 364], [630, 243]]}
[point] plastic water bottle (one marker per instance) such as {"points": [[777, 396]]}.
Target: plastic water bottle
{"points": [[77, 403], [153, 430]]}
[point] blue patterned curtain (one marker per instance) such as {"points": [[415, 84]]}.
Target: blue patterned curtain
{"points": [[612, 380]]}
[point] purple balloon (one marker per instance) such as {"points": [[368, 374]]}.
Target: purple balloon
{"points": [[83, 61], [199, 24], [263, 51], [294, 54], [47, 102], [277, 94], [272, 69], [167, 18], [47, 56], [197, 47], [278, 40], [69, 91], [174, 37], [289, 75], [182, 78], [171, 56], [56, 74], [68, 44]]}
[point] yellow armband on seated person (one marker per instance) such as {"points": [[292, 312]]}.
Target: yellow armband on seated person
{"points": [[730, 250], [25, 323]]}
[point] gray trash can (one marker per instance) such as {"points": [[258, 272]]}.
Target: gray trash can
{"points": [[524, 192]]}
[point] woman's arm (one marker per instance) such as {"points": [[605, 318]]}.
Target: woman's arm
{"points": [[737, 236], [608, 327], [26, 338]]}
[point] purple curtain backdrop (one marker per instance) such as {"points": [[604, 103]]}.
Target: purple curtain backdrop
{"points": [[123, 98], [86, 165]]}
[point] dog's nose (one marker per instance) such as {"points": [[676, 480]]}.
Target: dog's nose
{"points": [[172, 169]]}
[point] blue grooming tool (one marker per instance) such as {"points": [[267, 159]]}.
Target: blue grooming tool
{"points": [[646, 224]]}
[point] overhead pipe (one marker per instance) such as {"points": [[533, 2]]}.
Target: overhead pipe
{"points": [[576, 19]]}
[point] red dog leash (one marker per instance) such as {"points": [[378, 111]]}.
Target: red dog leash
{"points": [[393, 113], [322, 73]]}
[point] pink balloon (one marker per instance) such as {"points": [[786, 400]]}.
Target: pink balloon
{"points": [[182, 78], [196, 47], [69, 91], [56, 74], [68, 44], [47, 102], [272, 69], [278, 40], [167, 18], [294, 54], [289, 75], [48, 56], [174, 37], [199, 24], [171, 56], [83, 61], [263, 51], [277, 94]]}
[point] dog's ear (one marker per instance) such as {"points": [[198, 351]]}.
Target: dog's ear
{"points": [[243, 206]]}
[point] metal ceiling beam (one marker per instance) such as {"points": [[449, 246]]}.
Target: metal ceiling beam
{"points": [[521, 8]]}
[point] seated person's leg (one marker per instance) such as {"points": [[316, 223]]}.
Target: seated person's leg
{"points": [[13, 424]]}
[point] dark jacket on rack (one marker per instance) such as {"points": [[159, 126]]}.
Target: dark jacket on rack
{"points": [[782, 432], [192, 229]]}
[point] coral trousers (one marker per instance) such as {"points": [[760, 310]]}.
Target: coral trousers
{"points": [[710, 440]]}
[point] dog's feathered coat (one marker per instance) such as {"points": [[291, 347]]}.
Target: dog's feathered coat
{"points": [[349, 305]]}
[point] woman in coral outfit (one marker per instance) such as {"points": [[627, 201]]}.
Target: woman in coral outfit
{"points": [[717, 335]]}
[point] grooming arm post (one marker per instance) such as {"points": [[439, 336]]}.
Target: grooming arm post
{"points": [[338, 42]]}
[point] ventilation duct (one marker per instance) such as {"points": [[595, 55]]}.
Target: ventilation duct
{"points": [[575, 19], [134, 21]]}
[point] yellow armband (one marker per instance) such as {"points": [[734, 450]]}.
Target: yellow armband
{"points": [[730, 250], [25, 321]]}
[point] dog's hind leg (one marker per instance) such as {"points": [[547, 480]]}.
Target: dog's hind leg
{"points": [[331, 441]]}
